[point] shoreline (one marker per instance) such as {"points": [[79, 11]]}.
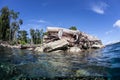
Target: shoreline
{"points": [[40, 49]]}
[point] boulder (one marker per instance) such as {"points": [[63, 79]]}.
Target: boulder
{"points": [[30, 49], [74, 50], [56, 45], [97, 46], [39, 49], [58, 51]]}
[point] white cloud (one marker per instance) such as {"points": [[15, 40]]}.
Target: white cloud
{"points": [[38, 21], [108, 32], [117, 24], [98, 10], [99, 7], [42, 21]]}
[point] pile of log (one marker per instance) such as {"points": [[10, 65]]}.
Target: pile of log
{"points": [[61, 38]]}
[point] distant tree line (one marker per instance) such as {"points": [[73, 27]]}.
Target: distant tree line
{"points": [[10, 29]]}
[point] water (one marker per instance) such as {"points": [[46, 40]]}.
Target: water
{"points": [[15, 64]]}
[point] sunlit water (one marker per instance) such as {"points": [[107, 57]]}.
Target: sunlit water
{"points": [[15, 63]]}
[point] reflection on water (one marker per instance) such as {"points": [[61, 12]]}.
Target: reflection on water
{"points": [[102, 62]]}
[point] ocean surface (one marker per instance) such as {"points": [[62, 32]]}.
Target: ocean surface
{"points": [[17, 64]]}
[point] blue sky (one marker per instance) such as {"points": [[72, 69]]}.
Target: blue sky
{"points": [[99, 18]]}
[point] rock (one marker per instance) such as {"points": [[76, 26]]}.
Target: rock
{"points": [[74, 50], [39, 49], [58, 51], [56, 45], [82, 72], [95, 46], [30, 49]]}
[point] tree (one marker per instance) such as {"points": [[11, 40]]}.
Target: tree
{"points": [[4, 23], [14, 28], [73, 28], [22, 36], [36, 36], [9, 24], [32, 32]]}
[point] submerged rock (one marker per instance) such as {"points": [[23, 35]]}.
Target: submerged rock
{"points": [[82, 72], [74, 50], [39, 49]]}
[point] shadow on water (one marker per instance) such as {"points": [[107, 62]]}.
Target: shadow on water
{"points": [[16, 63]]}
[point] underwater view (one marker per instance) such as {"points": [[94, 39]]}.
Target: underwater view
{"points": [[17, 64]]}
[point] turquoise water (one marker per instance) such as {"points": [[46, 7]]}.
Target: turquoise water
{"points": [[15, 63]]}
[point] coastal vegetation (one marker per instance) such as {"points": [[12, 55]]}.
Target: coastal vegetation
{"points": [[36, 36], [10, 29], [9, 24], [70, 40]]}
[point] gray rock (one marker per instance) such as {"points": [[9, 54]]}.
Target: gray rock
{"points": [[56, 45], [39, 49], [74, 50], [95, 46]]}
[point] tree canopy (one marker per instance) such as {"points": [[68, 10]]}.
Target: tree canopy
{"points": [[9, 24], [36, 36], [73, 28], [22, 36]]}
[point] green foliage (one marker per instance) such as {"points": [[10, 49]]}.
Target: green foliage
{"points": [[73, 28], [12, 42], [22, 42], [36, 36], [4, 23], [45, 33], [14, 28], [22, 36], [9, 24]]}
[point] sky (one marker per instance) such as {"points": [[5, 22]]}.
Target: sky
{"points": [[100, 18]]}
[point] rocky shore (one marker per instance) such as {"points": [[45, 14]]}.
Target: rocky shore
{"points": [[71, 41], [62, 40]]}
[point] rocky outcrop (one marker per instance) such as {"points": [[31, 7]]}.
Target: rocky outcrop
{"points": [[61, 39], [68, 40]]}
